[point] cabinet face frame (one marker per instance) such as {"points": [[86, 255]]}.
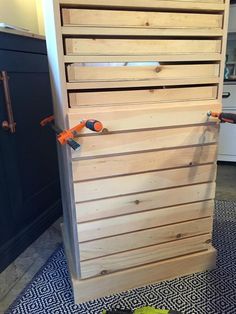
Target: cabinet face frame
{"points": [[57, 60]]}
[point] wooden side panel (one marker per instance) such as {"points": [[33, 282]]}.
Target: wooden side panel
{"points": [[125, 205], [107, 18], [142, 256], [137, 183], [128, 241], [115, 98]]}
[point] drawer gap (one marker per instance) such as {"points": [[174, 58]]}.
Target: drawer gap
{"points": [[96, 90], [140, 37]]}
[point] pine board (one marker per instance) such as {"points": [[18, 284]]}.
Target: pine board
{"points": [[183, 5], [131, 222], [128, 241], [140, 47], [121, 261], [125, 205], [146, 96], [87, 169], [138, 183], [147, 116], [101, 286], [108, 18], [131, 142]]}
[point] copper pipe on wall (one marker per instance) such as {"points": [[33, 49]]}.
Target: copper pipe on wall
{"points": [[10, 124]]}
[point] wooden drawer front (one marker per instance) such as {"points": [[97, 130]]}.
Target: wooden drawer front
{"points": [[141, 50], [105, 76], [155, 96], [140, 47], [138, 19], [183, 22]]}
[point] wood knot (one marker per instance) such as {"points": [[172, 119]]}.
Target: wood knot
{"points": [[147, 24], [178, 236], [137, 202], [191, 163], [208, 241]]}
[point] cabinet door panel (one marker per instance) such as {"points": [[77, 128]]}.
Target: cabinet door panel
{"points": [[28, 157]]}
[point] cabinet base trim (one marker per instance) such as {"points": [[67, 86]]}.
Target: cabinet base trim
{"points": [[90, 289]]}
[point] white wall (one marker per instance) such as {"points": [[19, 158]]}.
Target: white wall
{"points": [[39, 7], [23, 13]]}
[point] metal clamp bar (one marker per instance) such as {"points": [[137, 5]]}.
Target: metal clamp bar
{"points": [[9, 125]]}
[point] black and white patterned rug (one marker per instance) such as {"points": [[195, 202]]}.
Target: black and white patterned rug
{"points": [[212, 292]]}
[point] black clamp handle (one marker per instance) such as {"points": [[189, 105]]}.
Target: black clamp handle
{"points": [[228, 117], [73, 144]]}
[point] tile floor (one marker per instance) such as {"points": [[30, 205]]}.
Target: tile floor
{"points": [[17, 275], [21, 271]]}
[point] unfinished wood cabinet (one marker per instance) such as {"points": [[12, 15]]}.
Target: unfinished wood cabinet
{"points": [[139, 198]]}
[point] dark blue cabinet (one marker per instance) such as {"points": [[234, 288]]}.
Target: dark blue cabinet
{"points": [[29, 179]]}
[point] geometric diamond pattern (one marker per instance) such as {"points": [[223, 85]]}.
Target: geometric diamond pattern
{"points": [[211, 292]]}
